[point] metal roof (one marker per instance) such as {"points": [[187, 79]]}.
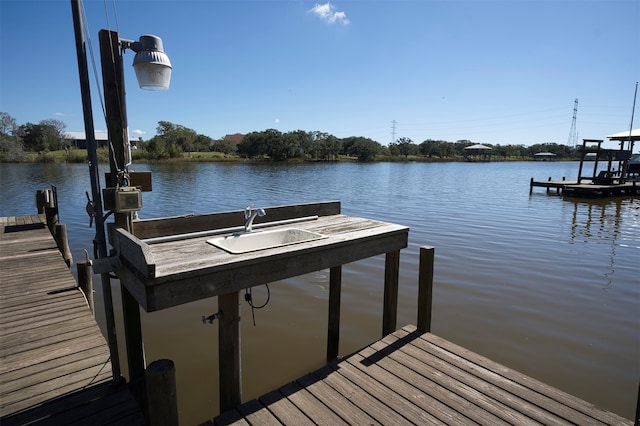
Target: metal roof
{"points": [[624, 136], [478, 146]]}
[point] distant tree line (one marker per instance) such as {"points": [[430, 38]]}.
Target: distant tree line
{"points": [[314, 145], [173, 140], [16, 141], [444, 150]]}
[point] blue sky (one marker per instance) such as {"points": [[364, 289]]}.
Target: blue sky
{"points": [[499, 72]]}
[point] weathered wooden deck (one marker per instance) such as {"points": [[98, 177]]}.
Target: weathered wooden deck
{"points": [[413, 378], [54, 361]]}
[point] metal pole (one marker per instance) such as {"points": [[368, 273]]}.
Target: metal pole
{"points": [[633, 110], [625, 167], [100, 244]]}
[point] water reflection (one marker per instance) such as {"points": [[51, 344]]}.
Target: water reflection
{"points": [[600, 221]]}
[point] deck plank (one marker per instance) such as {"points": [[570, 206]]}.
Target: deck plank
{"points": [[409, 377], [54, 360], [284, 409]]}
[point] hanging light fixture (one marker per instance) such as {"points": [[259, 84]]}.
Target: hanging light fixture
{"points": [[151, 64]]}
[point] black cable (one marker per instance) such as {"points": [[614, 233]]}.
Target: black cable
{"points": [[98, 373], [248, 297]]}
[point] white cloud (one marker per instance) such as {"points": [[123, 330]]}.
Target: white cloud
{"points": [[277, 120], [327, 12], [139, 132]]}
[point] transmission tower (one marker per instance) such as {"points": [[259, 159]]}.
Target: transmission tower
{"points": [[573, 135], [393, 131]]}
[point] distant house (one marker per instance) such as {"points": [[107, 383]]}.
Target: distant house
{"points": [[79, 139], [235, 138], [228, 141]]}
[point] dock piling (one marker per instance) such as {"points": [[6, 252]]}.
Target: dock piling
{"points": [[333, 333], [425, 288], [229, 351], [161, 393], [390, 307], [62, 240], [85, 282]]}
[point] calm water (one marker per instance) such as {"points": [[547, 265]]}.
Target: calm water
{"points": [[547, 286]]}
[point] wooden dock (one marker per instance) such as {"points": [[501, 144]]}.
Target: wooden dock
{"points": [[54, 361], [410, 377], [587, 189]]}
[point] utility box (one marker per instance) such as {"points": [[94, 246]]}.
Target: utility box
{"points": [[122, 200]]}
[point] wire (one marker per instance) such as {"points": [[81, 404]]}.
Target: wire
{"points": [[94, 67], [98, 373], [248, 297], [93, 59]]}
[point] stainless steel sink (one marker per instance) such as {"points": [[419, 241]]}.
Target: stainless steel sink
{"points": [[260, 240]]}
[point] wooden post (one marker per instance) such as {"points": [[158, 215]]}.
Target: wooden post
{"points": [[132, 325], [333, 334], [425, 288], [531, 186], [161, 393], [116, 115], [390, 308], [115, 101], [229, 351], [50, 210], [40, 200], [637, 419], [62, 240], [133, 335], [85, 282]]}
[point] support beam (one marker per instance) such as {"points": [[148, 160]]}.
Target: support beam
{"points": [[425, 288], [229, 351], [161, 393], [85, 282], [133, 335], [390, 308], [333, 334]]}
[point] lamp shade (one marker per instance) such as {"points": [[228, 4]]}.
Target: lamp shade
{"points": [[151, 64]]}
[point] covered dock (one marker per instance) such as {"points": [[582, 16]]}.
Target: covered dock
{"points": [[615, 171], [478, 152]]}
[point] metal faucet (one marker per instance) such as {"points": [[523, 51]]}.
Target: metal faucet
{"points": [[249, 214]]}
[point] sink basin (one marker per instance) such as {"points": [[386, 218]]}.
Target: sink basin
{"points": [[260, 240]]}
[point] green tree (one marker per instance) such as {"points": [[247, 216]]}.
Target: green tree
{"points": [[363, 148], [276, 146], [158, 148], [299, 141], [202, 143], [313, 145], [437, 148], [407, 147], [252, 145], [331, 148], [48, 135], [10, 143], [180, 137], [225, 146]]}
